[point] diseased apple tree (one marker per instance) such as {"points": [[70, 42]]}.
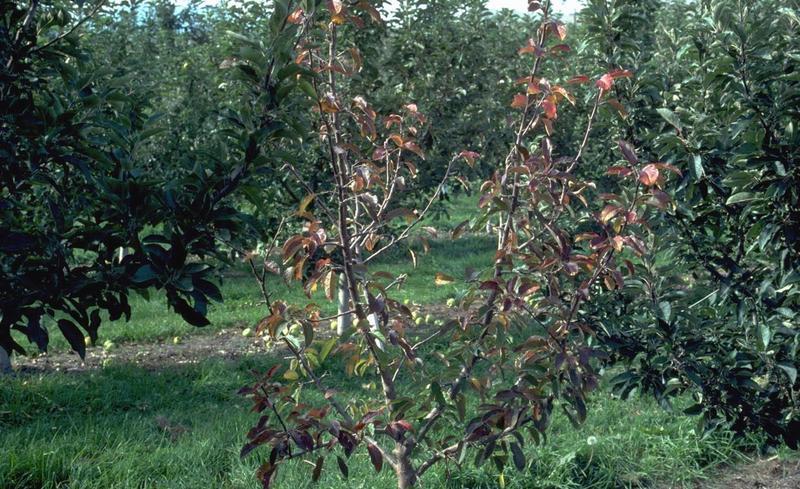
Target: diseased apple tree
{"points": [[518, 345]]}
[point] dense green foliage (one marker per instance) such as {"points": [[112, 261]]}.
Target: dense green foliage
{"points": [[88, 174], [714, 309]]}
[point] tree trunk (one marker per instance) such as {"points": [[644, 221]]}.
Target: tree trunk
{"points": [[345, 321], [406, 475], [5, 362]]}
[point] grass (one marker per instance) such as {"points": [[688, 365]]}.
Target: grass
{"points": [[152, 321], [99, 430]]}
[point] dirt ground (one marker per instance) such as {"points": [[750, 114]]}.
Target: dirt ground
{"points": [[769, 473], [228, 344]]}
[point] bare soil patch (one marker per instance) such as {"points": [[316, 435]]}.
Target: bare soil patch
{"points": [[770, 473], [228, 344]]}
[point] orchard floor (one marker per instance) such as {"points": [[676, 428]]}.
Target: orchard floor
{"points": [[166, 415], [156, 408], [772, 473]]}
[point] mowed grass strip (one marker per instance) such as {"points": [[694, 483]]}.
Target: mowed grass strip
{"points": [[183, 427]]}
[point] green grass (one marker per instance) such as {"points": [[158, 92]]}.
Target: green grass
{"points": [[99, 430], [152, 321]]}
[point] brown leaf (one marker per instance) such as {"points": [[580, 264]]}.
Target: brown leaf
{"points": [[296, 17], [608, 213], [442, 279], [414, 148], [470, 157], [559, 29]]}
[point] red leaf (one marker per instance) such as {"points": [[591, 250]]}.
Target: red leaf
{"points": [[618, 107], [659, 199], [520, 101], [628, 152], [470, 157], [265, 473], [619, 170], [562, 93], [620, 74], [375, 456], [372, 11], [578, 80], [649, 175], [608, 213], [378, 154], [296, 17], [317, 469], [414, 148], [550, 110], [668, 167], [531, 48], [605, 82], [342, 466]]}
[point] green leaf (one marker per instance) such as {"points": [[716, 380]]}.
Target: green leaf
{"points": [[764, 335], [326, 348], [145, 273], [518, 457], [308, 333], [436, 391], [740, 197], [461, 407], [243, 38], [665, 311], [279, 15], [670, 117], [693, 409], [791, 371], [73, 336], [696, 168], [292, 340], [307, 88]]}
